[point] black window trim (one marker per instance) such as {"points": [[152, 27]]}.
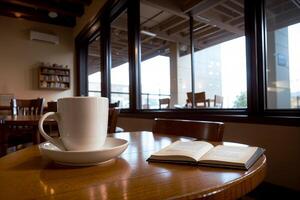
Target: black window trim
{"points": [[255, 33]]}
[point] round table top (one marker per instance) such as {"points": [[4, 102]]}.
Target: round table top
{"points": [[25, 174]]}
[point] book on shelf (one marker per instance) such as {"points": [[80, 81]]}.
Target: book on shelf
{"points": [[205, 154]]}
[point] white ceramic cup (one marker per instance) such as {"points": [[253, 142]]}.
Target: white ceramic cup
{"points": [[82, 123]]}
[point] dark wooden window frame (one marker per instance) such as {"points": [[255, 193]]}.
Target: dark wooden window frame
{"points": [[255, 55]]}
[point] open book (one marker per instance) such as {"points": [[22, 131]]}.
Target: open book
{"points": [[204, 153]]}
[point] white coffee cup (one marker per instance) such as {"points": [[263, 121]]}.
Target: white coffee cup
{"points": [[82, 123]]}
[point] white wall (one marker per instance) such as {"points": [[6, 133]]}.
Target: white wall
{"points": [[20, 57], [281, 144]]}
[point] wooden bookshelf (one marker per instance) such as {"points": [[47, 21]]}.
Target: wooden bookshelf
{"points": [[54, 78]]}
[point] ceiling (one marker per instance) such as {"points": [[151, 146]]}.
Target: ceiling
{"points": [[38, 10], [165, 23]]}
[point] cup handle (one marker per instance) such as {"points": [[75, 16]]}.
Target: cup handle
{"points": [[45, 135]]}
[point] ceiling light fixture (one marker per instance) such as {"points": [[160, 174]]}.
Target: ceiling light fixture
{"points": [[52, 14], [18, 15], [203, 18], [148, 33]]}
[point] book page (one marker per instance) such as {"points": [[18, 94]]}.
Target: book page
{"points": [[229, 154], [183, 151]]}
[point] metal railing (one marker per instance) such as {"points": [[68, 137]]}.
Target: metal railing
{"points": [[155, 98]]}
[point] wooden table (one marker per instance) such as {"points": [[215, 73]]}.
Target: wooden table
{"points": [[27, 175], [28, 120]]}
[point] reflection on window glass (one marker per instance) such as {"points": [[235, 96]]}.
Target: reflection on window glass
{"points": [[184, 75], [164, 40], [220, 56], [120, 85], [119, 53], [220, 72], [93, 68], [155, 73], [283, 60]]}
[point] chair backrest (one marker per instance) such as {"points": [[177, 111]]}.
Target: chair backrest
{"points": [[203, 130], [200, 99], [112, 119], [51, 106], [115, 104], [27, 106], [164, 102], [218, 101]]}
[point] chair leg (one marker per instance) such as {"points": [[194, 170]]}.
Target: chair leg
{"points": [[36, 136], [3, 140]]}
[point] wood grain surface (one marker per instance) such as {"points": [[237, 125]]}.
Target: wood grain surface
{"points": [[27, 175]]}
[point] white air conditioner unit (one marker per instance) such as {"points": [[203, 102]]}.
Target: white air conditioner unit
{"points": [[45, 37]]}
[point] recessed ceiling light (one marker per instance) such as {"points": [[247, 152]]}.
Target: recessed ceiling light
{"points": [[52, 14], [18, 14], [148, 33]]}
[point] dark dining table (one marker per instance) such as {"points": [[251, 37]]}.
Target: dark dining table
{"points": [[26, 174], [7, 121]]}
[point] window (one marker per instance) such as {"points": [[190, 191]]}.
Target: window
{"points": [[166, 61], [283, 61], [219, 56], [119, 55], [193, 48], [93, 68], [219, 66]]}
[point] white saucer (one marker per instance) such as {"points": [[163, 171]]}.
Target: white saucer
{"points": [[111, 149]]}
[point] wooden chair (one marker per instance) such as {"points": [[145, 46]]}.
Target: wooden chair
{"points": [[218, 101], [27, 106], [164, 103], [202, 130], [113, 119], [200, 99], [24, 134], [114, 105], [51, 106]]}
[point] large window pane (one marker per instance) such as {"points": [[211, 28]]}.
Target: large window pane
{"points": [[166, 62], [119, 54], [93, 68], [219, 56], [283, 60]]}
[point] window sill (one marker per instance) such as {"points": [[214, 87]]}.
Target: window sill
{"points": [[224, 115]]}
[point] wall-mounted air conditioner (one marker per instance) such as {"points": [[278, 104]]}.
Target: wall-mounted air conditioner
{"points": [[45, 37]]}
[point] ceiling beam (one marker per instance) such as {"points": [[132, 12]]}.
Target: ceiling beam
{"points": [[236, 7], [227, 11], [207, 20], [183, 26], [169, 5], [85, 2], [202, 6], [62, 7], [159, 34], [168, 23], [35, 15], [207, 32], [220, 24], [153, 52]]}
